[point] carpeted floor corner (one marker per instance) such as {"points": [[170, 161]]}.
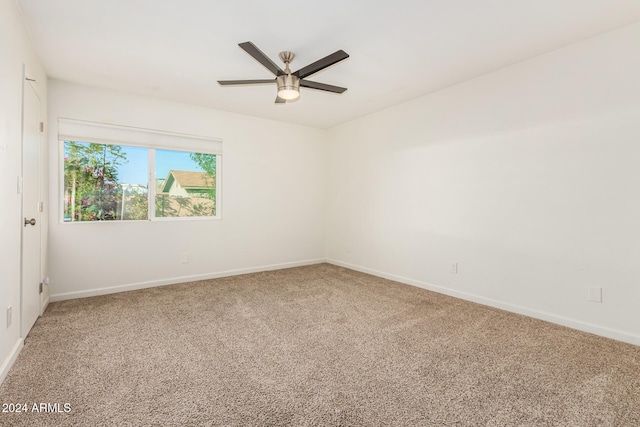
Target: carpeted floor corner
{"points": [[313, 346]]}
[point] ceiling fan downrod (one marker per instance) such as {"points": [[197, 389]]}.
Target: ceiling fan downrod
{"points": [[288, 84]]}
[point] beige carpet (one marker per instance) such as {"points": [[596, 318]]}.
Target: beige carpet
{"points": [[314, 346]]}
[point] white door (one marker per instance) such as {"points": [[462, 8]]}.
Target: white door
{"points": [[30, 224]]}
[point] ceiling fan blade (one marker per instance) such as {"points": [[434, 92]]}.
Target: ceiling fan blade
{"points": [[322, 86], [259, 56], [321, 64], [244, 82], [280, 100]]}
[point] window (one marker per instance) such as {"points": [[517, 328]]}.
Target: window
{"points": [[185, 184], [105, 181]]}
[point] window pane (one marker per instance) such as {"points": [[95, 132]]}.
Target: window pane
{"points": [[185, 184], [104, 182]]}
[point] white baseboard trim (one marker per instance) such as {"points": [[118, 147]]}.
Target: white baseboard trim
{"points": [[8, 362], [45, 304], [542, 315], [549, 317], [180, 279]]}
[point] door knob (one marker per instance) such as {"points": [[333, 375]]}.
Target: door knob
{"points": [[31, 221]]}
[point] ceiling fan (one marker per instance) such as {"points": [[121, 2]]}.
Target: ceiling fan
{"points": [[289, 83]]}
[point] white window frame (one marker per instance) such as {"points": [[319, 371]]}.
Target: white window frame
{"points": [[151, 139]]}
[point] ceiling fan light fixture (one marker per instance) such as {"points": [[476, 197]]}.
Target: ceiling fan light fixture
{"points": [[288, 87]]}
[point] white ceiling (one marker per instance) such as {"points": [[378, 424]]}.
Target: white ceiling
{"points": [[399, 50]]}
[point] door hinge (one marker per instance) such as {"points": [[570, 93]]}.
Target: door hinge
{"points": [[41, 284], [41, 126]]}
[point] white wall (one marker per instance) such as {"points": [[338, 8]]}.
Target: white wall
{"points": [[273, 197], [16, 51], [528, 177]]}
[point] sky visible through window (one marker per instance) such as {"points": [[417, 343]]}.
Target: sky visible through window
{"points": [[135, 170]]}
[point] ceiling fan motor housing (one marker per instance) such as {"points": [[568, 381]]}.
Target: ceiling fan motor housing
{"points": [[288, 86]]}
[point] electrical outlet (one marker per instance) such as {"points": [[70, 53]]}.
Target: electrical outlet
{"points": [[184, 257], [595, 294], [454, 268], [9, 315]]}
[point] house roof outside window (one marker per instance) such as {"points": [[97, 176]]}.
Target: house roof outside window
{"points": [[188, 180]]}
